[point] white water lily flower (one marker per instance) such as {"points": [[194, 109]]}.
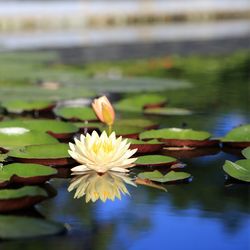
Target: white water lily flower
{"points": [[102, 153], [100, 186]]}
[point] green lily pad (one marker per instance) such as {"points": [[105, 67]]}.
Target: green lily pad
{"points": [[18, 136], [18, 106], [169, 177], [17, 227], [76, 113], [124, 130], [239, 170], [139, 102], [26, 191], [143, 123], [246, 152], [88, 124], [168, 111], [239, 134], [175, 133], [3, 157], [42, 125], [155, 160], [18, 172], [152, 142], [50, 151]]}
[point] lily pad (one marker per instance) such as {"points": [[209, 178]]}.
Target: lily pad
{"points": [[57, 129], [76, 113], [176, 137], [169, 177], [22, 173], [51, 154], [17, 227], [145, 146], [238, 137], [139, 102], [18, 136], [239, 170], [19, 106], [155, 160], [3, 157], [246, 152], [143, 123], [21, 198], [168, 111]]}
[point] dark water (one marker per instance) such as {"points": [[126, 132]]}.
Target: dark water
{"points": [[204, 214]]}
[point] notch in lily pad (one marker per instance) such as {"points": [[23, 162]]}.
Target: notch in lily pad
{"points": [[155, 160], [25, 173], [238, 137], [171, 176], [177, 137], [51, 154], [19, 227], [21, 198]]}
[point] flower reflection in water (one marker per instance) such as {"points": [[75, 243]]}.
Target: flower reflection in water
{"points": [[94, 186]]}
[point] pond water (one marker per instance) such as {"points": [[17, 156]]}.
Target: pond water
{"points": [[204, 214]]}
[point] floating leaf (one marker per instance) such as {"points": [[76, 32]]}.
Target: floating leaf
{"points": [[18, 137], [138, 102], [169, 177], [175, 133], [168, 111], [125, 130], [246, 152], [23, 172], [152, 142], [155, 160], [3, 157], [16, 227], [18, 106], [76, 113], [143, 123], [239, 134], [239, 170]]}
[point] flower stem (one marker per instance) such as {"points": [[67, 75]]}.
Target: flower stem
{"points": [[109, 129]]}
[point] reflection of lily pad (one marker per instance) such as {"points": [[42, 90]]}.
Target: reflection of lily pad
{"points": [[25, 173], [57, 129], [169, 177], [18, 106], [76, 113], [139, 102], [20, 198], [155, 160], [238, 137], [168, 111], [51, 154], [246, 152], [16, 227], [145, 146], [239, 170], [18, 136]]}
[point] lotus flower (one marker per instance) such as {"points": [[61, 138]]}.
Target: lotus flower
{"points": [[102, 153], [104, 110], [100, 186]]}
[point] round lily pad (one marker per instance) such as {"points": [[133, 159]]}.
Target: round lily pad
{"points": [[57, 129], [145, 147], [171, 176], [143, 123], [238, 137], [11, 137], [21, 198], [246, 152], [239, 170], [167, 111], [19, 227], [88, 126], [76, 113], [139, 102], [24, 173], [176, 137], [19, 106], [51, 154], [155, 160]]}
